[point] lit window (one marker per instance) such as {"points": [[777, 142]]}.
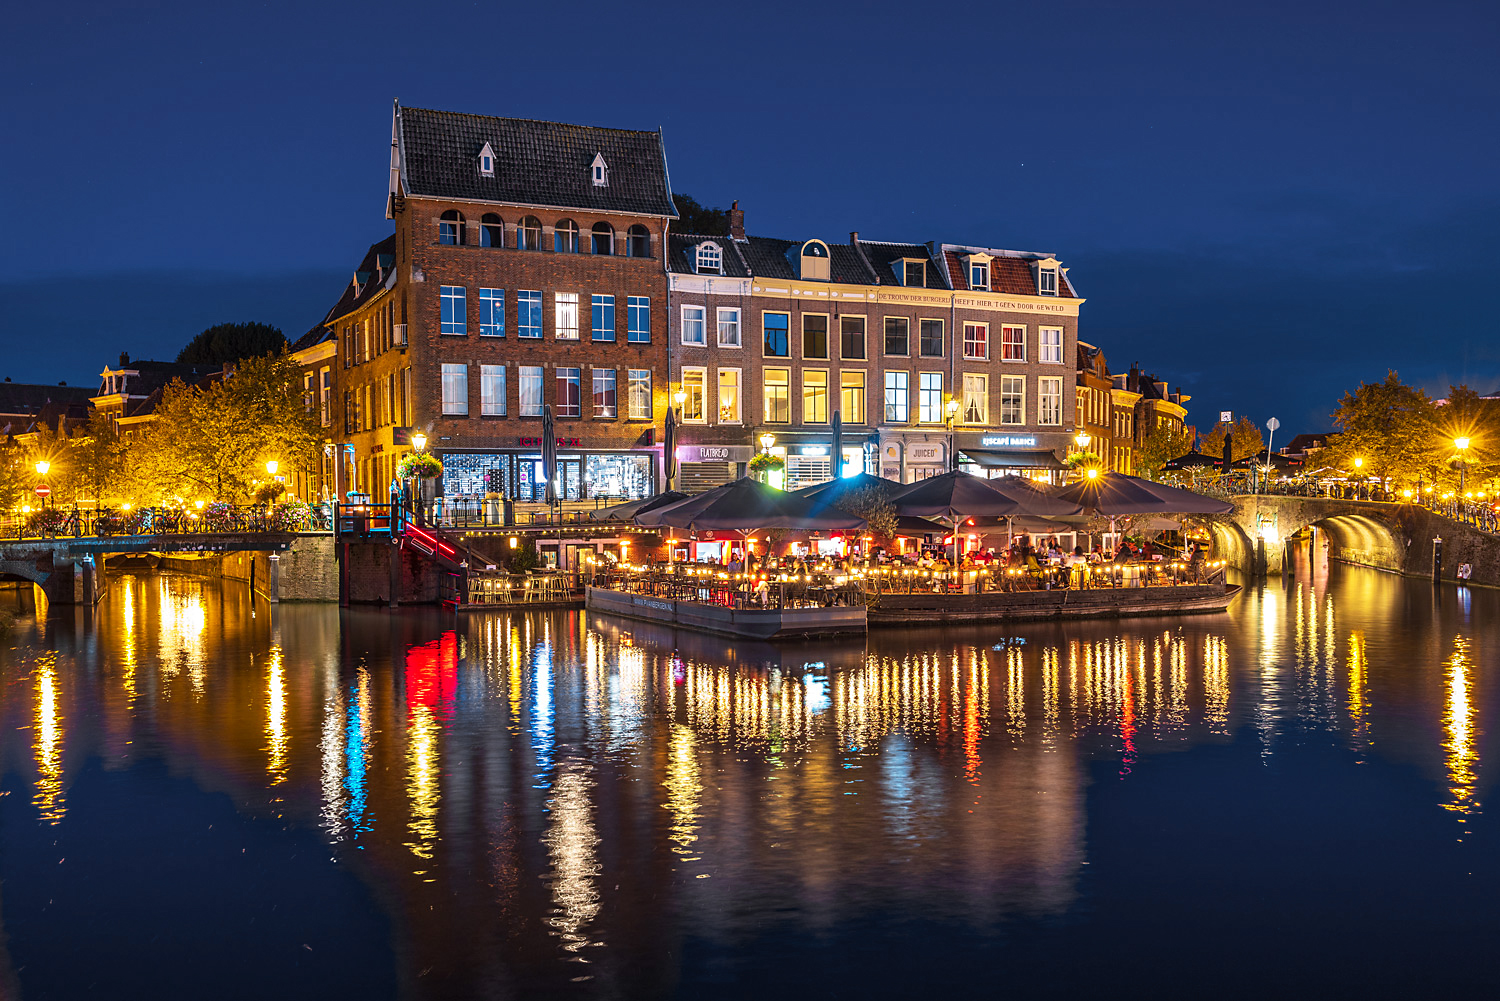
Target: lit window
{"points": [[1012, 399], [852, 397], [694, 384], [814, 396], [930, 397], [640, 394], [492, 390], [454, 319], [1049, 390], [729, 396], [693, 324], [638, 309], [604, 392], [565, 312], [776, 383], [1012, 343], [1050, 341], [729, 328], [528, 314], [976, 399], [604, 318], [455, 390], [896, 401], [569, 392], [491, 312], [977, 341], [710, 259]]}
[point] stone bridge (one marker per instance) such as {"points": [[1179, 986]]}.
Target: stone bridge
{"points": [[1387, 536]]}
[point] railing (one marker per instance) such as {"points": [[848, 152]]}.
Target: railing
{"points": [[522, 589], [53, 523], [1475, 514], [738, 590], [466, 512], [1078, 577]]}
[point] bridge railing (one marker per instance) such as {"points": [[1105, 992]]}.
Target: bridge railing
{"points": [[54, 523]]}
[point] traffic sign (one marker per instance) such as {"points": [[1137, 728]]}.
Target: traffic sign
{"points": [[1273, 424], [43, 490], [1226, 416]]}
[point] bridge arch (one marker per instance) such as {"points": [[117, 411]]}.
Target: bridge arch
{"points": [[1370, 533]]}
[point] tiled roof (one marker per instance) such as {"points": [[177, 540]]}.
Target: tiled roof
{"points": [[378, 274], [773, 258], [317, 335], [682, 254], [1010, 272], [536, 163], [18, 398], [885, 258], [154, 375]]}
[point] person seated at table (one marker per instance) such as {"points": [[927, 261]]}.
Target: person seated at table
{"points": [[1146, 551], [1122, 555], [1078, 551]]}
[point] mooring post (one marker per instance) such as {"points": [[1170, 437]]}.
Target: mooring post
{"points": [[273, 584], [1437, 559]]}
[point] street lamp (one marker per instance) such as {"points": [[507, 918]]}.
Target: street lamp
{"points": [[271, 466], [951, 412], [1092, 473], [766, 441], [42, 465], [1082, 439], [1462, 444], [419, 441]]}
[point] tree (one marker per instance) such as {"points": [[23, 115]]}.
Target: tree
{"points": [[1164, 442], [1466, 414], [230, 342], [696, 219], [872, 504], [98, 456], [1247, 440], [216, 439], [1391, 426]]}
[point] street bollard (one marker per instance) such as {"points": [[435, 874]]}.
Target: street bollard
{"points": [[1437, 559]]}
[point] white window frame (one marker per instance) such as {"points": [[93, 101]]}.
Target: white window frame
{"points": [[1046, 281], [639, 389], [455, 386], [888, 400], [1043, 395], [565, 316], [607, 411], [1009, 381], [1012, 326], [976, 401], [979, 276], [766, 396], [695, 376], [709, 259], [557, 379], [973, 325], [923, 403], [864, 396], [737, 386], [698, 323], [532, 377], [492, 390], [1045, 350], [729, 327]]}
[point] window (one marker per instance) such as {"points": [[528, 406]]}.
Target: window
{"points": [[814, 335], [1049, 408], [914, 273], [565, 311], [528, 314], [1050, 341], [729, 396], [529, 234], [976, 399], [451, 228], [491, 231], [1012, 343], [930, 397], [1047, 281], [694, 384], [604, 392], [776, 391], [604, 318], [777, 337], [729, 328], [455, 390], [640, 394], [325, 395], [569, 392], [454, 319], [638, 241], [977, 341], [491, 312], [1012, 399], [852, 337], [710, 259], [896, 397], [814, 261], [897, 336], [979, 276], [492, 390], [603, 238], [693, 325], [531, 391], [600, 171], [814, 396], [932, 338], [852, 397], [565, 237], [487, 161], [307, 392], [638, 318]]}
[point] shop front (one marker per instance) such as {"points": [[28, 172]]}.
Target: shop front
{"points": [[518, 475], [702, 467], [1034, 456], [909, 458]]}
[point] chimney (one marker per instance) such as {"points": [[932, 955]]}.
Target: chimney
{"points": [[736, 221], [125, 359], [854, 238]]}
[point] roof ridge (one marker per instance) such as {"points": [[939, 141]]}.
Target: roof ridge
{"points": [[535, 121]]}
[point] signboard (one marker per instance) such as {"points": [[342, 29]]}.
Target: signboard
{"points": [[1226, 416], [1273, 424], [43, 490], [1008, 441], [892, 452], [401, 437], [525, 442], [924, 453], [714, 453]]}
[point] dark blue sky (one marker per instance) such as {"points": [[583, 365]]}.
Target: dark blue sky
{"points": [[1264, 203]]}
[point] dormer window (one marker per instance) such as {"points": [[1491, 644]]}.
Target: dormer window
{"points": [[601, 171], [710, 259], [979, 272], [1046, 277], [914, 273], [487, 161], [815, 261]]}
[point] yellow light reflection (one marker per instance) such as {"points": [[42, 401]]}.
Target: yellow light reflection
{"points": [[1359, 699], [48, 743], [683, 791], [1462, 758], [573, 845], [422, 780], [276, 736]]}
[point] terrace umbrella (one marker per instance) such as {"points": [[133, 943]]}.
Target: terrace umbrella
{"points": [[956, 495], [669, 448], [1193, 460], [832, 491], [549, 453], [837, 465], [1114, 494], [628, 510]]}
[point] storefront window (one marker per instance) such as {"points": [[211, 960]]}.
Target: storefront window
{"points": [[625, 477]]}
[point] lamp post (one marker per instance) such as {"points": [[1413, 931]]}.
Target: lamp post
{"points": [[1083, 439], [42, 465], [1462, 444], [950, 412]]}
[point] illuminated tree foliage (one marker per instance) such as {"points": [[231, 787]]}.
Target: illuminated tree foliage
{"points": [[1166, 441], [1248, 440], [1393, 427]]}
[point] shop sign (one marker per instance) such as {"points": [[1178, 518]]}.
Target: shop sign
{"points": [[401, 437], [561, 442], [892, 451], [924, 453], [813, 450], [713, 453], [1008, 441]]}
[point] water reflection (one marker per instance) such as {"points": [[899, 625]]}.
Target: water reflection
{"points": [[1459, 726], [48, 726]]}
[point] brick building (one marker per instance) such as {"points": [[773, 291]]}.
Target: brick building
{"points": [[525, 271]]}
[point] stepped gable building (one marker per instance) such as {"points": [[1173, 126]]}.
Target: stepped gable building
{"points": [[929, 354], [131, 391], [526, 272]]}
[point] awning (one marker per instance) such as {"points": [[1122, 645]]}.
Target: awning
{"points": [[990, 458]]}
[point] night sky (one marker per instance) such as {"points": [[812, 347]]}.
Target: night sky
{"points": [[1263, 203]]}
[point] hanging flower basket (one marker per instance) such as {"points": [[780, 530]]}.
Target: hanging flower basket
{"points": [[766, 462], [419, 465]]}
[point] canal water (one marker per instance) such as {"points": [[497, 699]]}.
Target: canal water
{"points": [[206, 796]]}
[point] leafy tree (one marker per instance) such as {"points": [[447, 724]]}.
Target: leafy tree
{"points": [[98, 457], [1391, 426], [216, 439], [230, 342], [1248, 440], [1086, 460], [54, 446], [872, 504], [1163, 443], [699, 220], [524, 557], [13, 482], [1466, 414]]}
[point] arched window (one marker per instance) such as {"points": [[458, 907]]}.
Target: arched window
{"points": [[710, 259], [529, 234], [814, 261], [638, 243], [451, 228], [565, 237], [604, 238], [491, 231]]}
